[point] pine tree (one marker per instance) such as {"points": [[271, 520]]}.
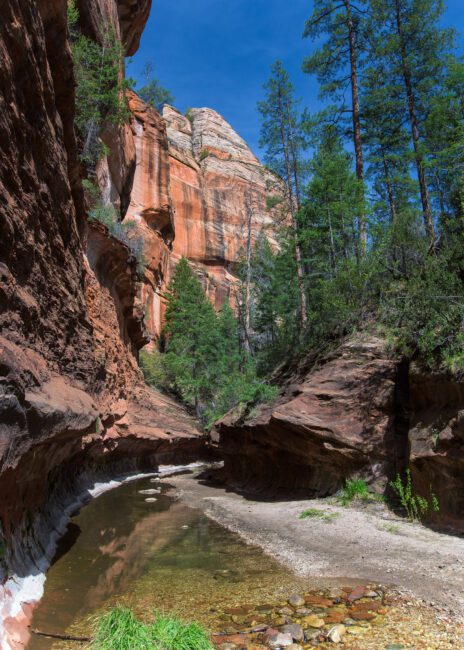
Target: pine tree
{"points": [[444, 134], [409, 39], [193, 339], [152, 92], [330, 213], [336, 64], [282, 139], [100, 88], [203, 363], [387, 144]]}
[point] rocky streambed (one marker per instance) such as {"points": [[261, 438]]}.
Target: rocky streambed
{"points": [[361, 617], [150, 545]]}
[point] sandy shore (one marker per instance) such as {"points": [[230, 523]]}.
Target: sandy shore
{"points": [[363, 543]]}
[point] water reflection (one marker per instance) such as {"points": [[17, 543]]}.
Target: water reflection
{"points": [[150, 555]]}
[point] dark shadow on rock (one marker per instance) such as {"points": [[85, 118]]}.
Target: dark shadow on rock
{"points": [[66, 542]]}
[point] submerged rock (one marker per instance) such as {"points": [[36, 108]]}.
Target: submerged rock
{"points": [[294, 629], [296, 600], [280, 640], [336, 633]]}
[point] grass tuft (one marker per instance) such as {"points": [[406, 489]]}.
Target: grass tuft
{"points": [[357, 489], [327, 517], [119, 629]]}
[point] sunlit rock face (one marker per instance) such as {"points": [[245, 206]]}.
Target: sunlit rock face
{"points": [[333, 420], [215, 181], [189, 185], [72, 399]]}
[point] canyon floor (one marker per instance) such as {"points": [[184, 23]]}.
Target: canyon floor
{"points": [[364, 542]]}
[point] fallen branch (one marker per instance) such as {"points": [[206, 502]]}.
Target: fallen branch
{"points": [[63, 637]]}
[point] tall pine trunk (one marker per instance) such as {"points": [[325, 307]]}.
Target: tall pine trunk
{"points": [[391, 196], [247, 324], [293, 201], [357, 139], [407, 78]]}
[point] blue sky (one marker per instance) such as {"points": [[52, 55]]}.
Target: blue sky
{"points": [[217, 53]]}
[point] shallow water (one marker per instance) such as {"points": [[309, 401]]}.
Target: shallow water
{"points": [[150, 555]]}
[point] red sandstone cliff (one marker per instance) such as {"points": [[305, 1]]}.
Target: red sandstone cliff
{"points": [[72, 399], [194, 182]]}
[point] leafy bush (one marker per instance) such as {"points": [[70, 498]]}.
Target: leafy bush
{"points": [[416, 506], [100, 87], [119, 629], [204, 153], [272, 201]]}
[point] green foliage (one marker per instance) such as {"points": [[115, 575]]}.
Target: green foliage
{"points": [[391, 528], [416, 506], [204, 153], [202, 363], [273, 200], [153, 93], [151, 364], [314, 513], [105, 213], [275, 301], [282, 136], [354, 489], [189, 115], [119, 629], [100, 87], [171, 634]]}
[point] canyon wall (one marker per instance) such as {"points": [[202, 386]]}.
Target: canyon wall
{"points": [[357, 412], [72, 398], [75, 308], [333, 419], [199, 192]]}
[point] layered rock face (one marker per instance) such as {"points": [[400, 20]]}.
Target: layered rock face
{"points": [[357, 413], [331, 422], [217, 186], [437, 442], [198, 191], [72, 397]]}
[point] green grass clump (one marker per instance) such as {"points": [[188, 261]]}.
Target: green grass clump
{"points": [[354, 489], [171, 634], [327, 517], [119, 629]]}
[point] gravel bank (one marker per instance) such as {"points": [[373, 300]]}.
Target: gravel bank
{"points": [[361, 543]]}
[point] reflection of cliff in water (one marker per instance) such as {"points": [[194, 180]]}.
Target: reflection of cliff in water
{"points": [[150, 555]]}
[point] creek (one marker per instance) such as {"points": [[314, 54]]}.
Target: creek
{"points": [[137, 546]]}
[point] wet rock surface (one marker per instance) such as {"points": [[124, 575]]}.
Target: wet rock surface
{"points": [[371, 617]]}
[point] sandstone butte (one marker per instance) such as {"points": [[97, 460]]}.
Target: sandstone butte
{"points": [[74, 313]]}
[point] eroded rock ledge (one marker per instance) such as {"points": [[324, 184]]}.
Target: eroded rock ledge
{"points": [[357, 413], [72, 401], [329, 424]]}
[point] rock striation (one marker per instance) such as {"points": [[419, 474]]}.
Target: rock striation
{"points": [[194, 188], [217, 185], [73, 407], [436, 439], [332, 421]]}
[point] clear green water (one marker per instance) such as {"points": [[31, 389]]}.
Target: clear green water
{"points": [[151, 555]]}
